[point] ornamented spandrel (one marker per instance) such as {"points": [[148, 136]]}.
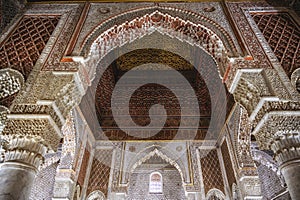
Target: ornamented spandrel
{"points": [[23, 47]]}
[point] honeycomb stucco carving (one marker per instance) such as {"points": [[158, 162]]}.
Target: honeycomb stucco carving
{"points": [[11, 81]]}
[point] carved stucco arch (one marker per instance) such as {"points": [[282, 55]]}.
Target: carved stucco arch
{"points": [[107, 37], [215, 192], [96, 195], [99, 55], [295, 79], [133, 14], [162, 153]]}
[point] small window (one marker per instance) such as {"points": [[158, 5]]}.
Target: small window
{"points": [[156, 183]]}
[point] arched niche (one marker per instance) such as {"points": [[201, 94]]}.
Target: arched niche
{"points": [[167, 156], [167, 43], [155, 183], [215, 194], [151, 181], [209, 36], [96, 195]]}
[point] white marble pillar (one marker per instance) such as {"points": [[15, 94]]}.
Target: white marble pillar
{"points": [[22, 157], [291, 174], [16, 180], [287, 154]]}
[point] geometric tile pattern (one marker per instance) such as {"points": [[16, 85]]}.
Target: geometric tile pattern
{"points": [[283, 36], [99, 177], [270, 182], [228, 164], [211, 171], [83, 168], [44, 183], [23, 47]]}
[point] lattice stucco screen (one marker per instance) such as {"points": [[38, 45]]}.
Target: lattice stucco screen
{"points": [[25, 44], [283, 36]]}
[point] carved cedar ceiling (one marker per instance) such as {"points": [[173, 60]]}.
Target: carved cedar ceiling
{"points": [[150, 94], [22, 48], [283, 35]]}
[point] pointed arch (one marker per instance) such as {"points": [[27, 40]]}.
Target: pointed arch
{"points": [[175, 27], [215, 194], [96, 195], [134, 14], [141, 158]]}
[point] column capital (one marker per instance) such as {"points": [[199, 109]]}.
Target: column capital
{"points": [[286, 148], [27, 150], [29, 137]]}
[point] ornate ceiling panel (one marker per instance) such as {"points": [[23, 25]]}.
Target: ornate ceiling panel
{"points": [[143, 56], [148, 95]]}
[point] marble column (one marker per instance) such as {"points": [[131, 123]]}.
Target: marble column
{"points": [[287, 154], [16, 180], [22, 157]]}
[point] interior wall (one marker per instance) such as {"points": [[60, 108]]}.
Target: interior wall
{"points": [[139, 184]]}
